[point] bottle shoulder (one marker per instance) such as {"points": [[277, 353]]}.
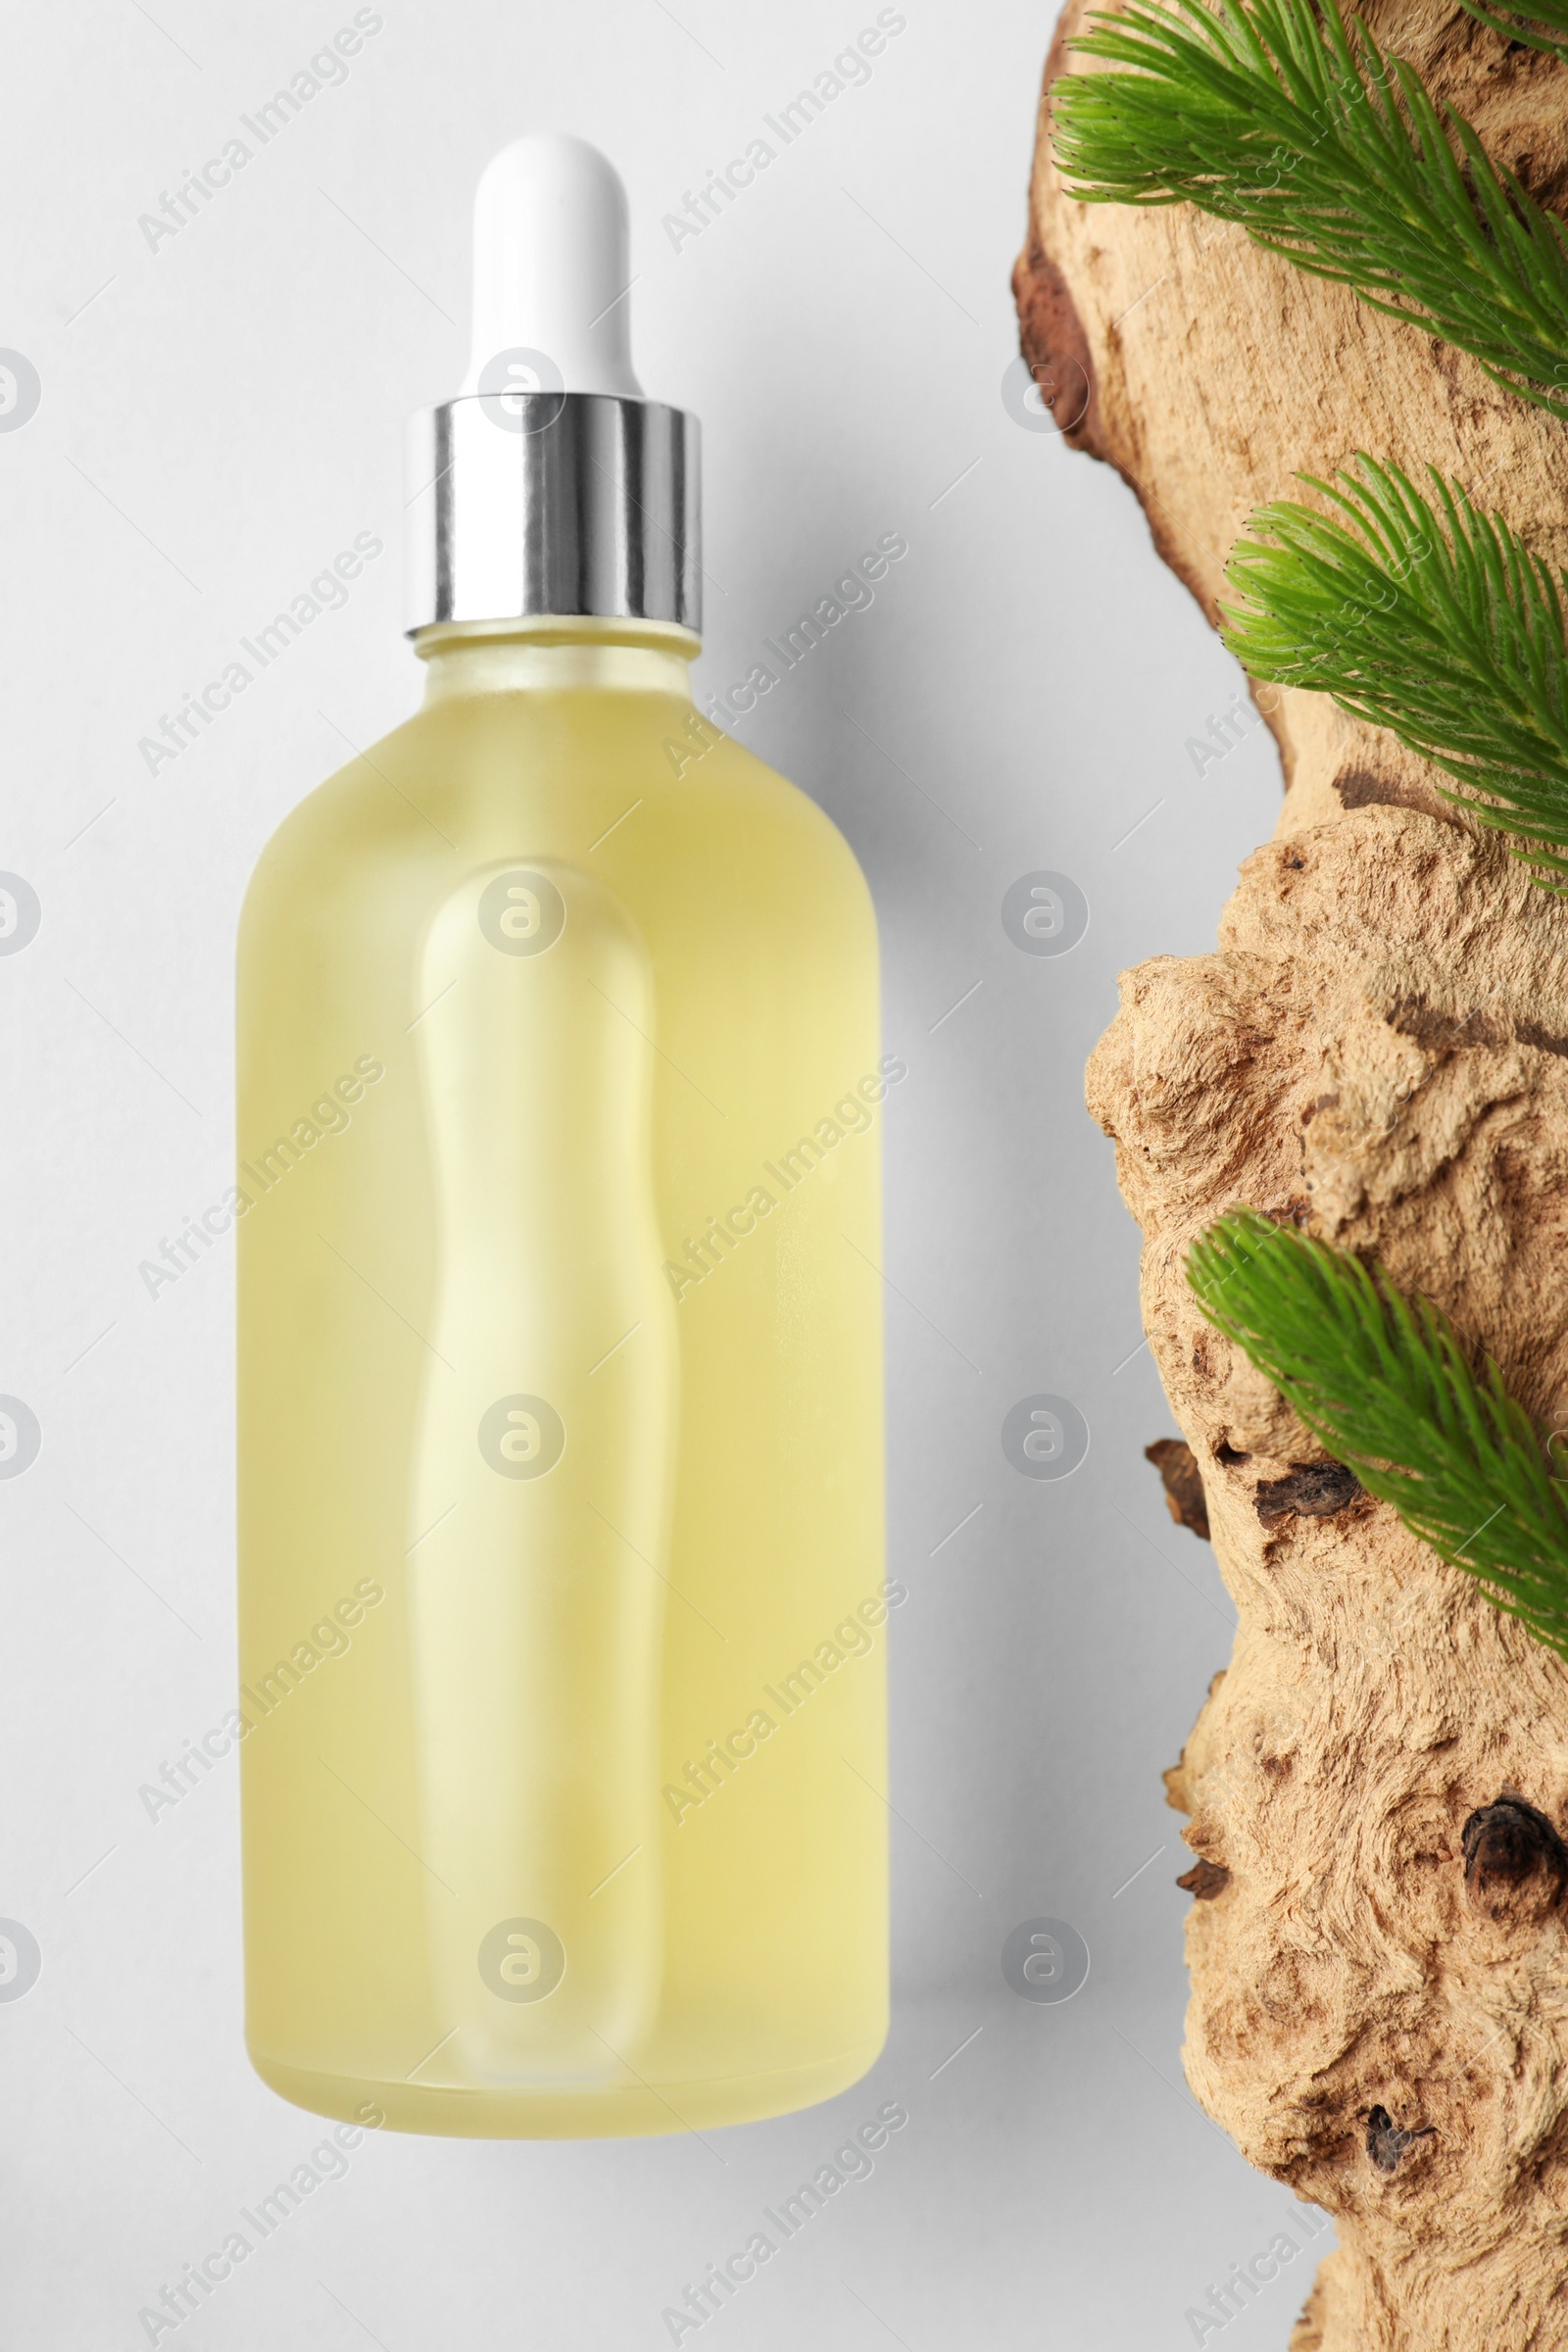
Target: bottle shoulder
{"points": [[627, 782]]}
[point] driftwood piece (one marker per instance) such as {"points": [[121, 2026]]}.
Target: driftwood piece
{"points": [[1379, 1050]]}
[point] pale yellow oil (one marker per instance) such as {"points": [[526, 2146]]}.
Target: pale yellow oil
{"points": [[562, 1601]]}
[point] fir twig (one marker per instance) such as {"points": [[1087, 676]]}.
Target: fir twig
{"points": [[1535, 23], [1450, 633], [1286, 117], [1386, 1386]]}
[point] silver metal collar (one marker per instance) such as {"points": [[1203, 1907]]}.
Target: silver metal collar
{"points": [[569, 502]]}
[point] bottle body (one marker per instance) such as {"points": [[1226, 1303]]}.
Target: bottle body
{"points": [[563, 1592]]}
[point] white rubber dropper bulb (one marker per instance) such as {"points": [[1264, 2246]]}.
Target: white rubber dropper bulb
{"points": [[551, 271]]}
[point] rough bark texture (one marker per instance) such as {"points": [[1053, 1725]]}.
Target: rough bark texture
{"points": [[1378, 1047]]}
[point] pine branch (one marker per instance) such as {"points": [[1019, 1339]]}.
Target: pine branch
{"points": [[1386, 1386], [1533, 24], [1287, 118], [1450, 633]]}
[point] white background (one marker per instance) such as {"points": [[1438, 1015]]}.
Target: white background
{"points": [[218, 418]]}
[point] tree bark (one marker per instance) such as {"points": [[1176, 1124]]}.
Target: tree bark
{"points": [[1379, 1049]]}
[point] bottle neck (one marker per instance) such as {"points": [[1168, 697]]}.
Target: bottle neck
{"points": [[550, 655]]}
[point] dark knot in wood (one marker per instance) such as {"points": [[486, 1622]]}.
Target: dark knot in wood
{"points": [[1180, 1477], [1385, 2143], [1314, 1490], [1515, 1864], [1205, 1879]]}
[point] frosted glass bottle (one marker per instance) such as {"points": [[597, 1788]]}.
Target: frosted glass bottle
{"points": [[562, 1588]]}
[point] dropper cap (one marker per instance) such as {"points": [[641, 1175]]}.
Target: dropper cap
{"points": [[552, 265], [549, 485]]}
